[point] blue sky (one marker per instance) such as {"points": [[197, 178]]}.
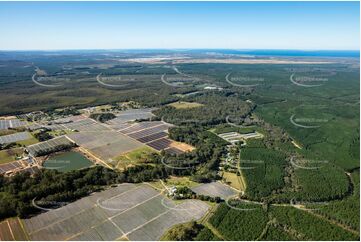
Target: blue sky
{"points": [[129, 25]]}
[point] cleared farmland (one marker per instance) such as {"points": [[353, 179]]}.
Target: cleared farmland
{"points": [[184, 212], [105, 144], [11, 123], [86, 125], [130, 115], [11, 229], [214, 189], [79, 123], [152, 137], [136, 212], [160, 144], [9, 166], [174, 150], [48, 145], [155, 135], [149, 131], [5, 233], [143, 126], [185, 105], [70, 119], [14, 137], [152, 133]]}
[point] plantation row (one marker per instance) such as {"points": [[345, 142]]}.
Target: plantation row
{"points": [[236, 224], [284, 223], [345, 211], [323, 184], [308, 226], [265, 173]]}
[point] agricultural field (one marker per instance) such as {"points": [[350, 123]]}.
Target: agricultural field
{"points": [[10, 166], [7, 131], [309, 227], [12, 230], [345, 211], [155, 135], [137, 156], [276, 233], [85, 125], [32, 140], [105, 144], [140, 155], [214, 189], [234, 224], [136, 212], [250, 222], [332, 183], [49, 146], [11, 123], [263, 171], [128, 116], [12, 138]]}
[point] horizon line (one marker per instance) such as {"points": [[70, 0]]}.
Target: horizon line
{"points": [[181, 49]]}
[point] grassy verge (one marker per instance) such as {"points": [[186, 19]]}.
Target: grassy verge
{"points": [[185, 105], [133, 157], [10, 155], [233, 180]]}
